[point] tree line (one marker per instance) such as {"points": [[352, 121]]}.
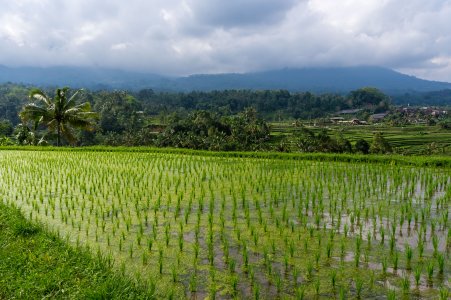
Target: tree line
{"points": [[270, 104], [218, 120]]}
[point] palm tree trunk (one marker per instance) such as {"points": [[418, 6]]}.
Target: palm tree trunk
{"points": [[58, 135]]}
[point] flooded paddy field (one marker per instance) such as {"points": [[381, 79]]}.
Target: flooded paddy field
{"points": [[223, 227]]}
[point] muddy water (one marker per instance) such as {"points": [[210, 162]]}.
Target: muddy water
{"points": [[424, 285], [405, 235]]}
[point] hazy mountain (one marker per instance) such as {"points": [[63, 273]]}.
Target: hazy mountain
{"points": [[307, 79], [312, 79], [79, 77]]}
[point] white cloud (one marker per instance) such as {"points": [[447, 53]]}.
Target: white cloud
{"points": [[192, 36], [14, 29], [120, 46]]}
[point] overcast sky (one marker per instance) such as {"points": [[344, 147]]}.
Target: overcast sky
{"points": [[179, 37]]}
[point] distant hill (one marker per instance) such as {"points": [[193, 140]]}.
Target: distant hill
{"points": [[312, 79], [79, 77], [339, 80]]}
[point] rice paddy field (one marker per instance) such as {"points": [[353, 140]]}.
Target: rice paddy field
{"points": [[409, 140], [193, 226]]}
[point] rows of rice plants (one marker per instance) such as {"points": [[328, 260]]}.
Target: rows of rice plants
{"points": [[194, 226]]}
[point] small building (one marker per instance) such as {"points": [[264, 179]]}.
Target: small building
{"points": [[437, 113], [349, 111], [336, 120], [353, 122], [358, 122], [378, 117]]}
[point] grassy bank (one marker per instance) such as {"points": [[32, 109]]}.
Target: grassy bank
{"points": [[35, 264]]}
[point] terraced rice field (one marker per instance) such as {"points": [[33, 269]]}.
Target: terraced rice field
{"points": [[410, 140], [223, 227]]}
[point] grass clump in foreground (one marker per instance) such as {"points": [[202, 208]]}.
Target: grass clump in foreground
{"points": [[35, 264]]}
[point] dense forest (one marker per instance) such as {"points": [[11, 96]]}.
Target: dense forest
{"points": [[270, 104], [442, 97], [217, 120]]}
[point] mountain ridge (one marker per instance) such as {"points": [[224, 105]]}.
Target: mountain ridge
{"points": [[327, 79]]}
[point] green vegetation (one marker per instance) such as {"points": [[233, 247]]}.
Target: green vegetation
{"points": [[234, 120], [228, 120], [59, 114], [306, 141], [369, 98], [393, 160], [230, 225], [204, 130], [442, 97], [142, 222], [35, 264], [406, 140]]}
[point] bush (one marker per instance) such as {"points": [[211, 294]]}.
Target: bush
{"points": [[307, 141], [445, 125], [380, 145], [6, 141], [362, 146]]}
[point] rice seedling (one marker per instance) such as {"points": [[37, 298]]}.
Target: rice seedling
{"points": [[278, 283], [435, 242], [420, 247], [405, 282], [392, 243], [358, 287], [441, 263], [232, 264], [382, 233], [256, 291], [395, 260], [174, 273], [444, 293], [343, 293], [295, 275], [430, 271], [371, 280], [234, 284], [309, 270], [409, 255], [391, 295], [357, 259], [317, 286], [333, 278], [193, 283], [417, 276], [317, 259], [300, 293]]}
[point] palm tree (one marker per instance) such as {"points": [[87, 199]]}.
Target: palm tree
{"points": [[59, 114]]}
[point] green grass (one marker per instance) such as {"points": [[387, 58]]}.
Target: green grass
{"points": [[35, 264]]}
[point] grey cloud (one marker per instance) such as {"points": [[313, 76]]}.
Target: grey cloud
{"points": [[236, 13], [204, 36]]}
